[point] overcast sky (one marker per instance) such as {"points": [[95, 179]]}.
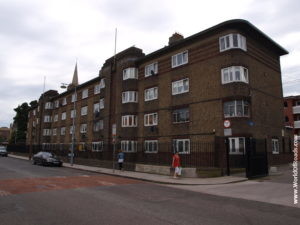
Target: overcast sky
{"points": [[44, 38]]}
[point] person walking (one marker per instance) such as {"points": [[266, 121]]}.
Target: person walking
{"points": [[176, 165], [121, 157]]}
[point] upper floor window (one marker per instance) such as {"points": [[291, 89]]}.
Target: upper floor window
{"points": [[151, 119], [129, 146], [97, 146], [54, 132], [275, 146], [181, 146], [34, 112], [48, 105], [56, 103], [181, 115], [83, 128], [46, 132], [151, 69], [47, 119], [130, 73], [232, 41], [85, 93], [180, 59], [151, 146], [101, 103], [97, 89], [64, 101], [84, 110], [237, 108], [102, 83], [74, 97], [62, 131], [180, 86], [236, 145], [97, 107], [151, 93], [129, 121], [234, 74], [72, 129], [73, 113], [129, 96], [98, 125], [55, 117], [63, 116]]}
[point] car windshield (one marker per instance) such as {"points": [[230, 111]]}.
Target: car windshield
{"points": [[2, 148], [48, 154]]}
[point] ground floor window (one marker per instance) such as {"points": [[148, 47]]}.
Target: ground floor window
{"points": [[129, 146], [182, 146], [237, 145], [97, 146], [151, 146], [275, 146]]}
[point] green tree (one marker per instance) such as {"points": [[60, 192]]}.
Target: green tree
{"points": [[20, 123]]}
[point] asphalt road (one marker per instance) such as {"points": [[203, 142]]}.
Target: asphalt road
{"points": [[35, 195]]}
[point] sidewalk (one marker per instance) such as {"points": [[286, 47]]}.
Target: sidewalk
{"points": [[162, 179]]}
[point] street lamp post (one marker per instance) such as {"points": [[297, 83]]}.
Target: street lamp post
{"points": [[63, 85]]}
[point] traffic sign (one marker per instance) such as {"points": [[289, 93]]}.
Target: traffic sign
{"points": [[227, 123]]}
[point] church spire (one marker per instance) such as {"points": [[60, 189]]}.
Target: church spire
{"points": [[75, 76]]}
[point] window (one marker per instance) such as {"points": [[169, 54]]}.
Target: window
{"points": [[64, 101], [102, 83], [34, 112], [46, 132], [181, 115], [55, 117], [180, 86], [47, 119], [102, 103], [72, 128], [97, 107], [182, 146], [129, 96], [62, 131], [37, 120], [151, 69], [63, 116], [234, 74], [129, 121], [130, 73], [180, 59], [97, 89], [151, 146], [48, 105], [84, 110], [237, 145], [83, 128], [33, 123], [236, 108], [97, 146], [129, 146], [74, 97], [98, 125], [56, 103], [231, 41], [73, 113], [85, 93], [151, 93], [151, 119], [275, 146], [54, 132]]}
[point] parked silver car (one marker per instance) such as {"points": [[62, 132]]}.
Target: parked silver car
{"points": [[3, 151]]}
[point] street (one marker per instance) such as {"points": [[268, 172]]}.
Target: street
{"points": [[36, 195]]}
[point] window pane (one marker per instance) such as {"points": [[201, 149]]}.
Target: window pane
{"points": [[235, 40]]}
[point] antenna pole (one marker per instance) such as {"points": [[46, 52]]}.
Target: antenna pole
{"points": [[116, 31]]}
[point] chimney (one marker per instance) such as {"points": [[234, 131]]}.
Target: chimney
{"points": [[175, 38]]}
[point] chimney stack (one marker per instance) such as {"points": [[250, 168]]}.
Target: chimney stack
{"points": [[175, 38]]}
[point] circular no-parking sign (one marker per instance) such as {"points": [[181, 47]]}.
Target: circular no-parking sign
{"points": [[226, 123]]}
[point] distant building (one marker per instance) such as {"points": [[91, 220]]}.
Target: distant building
{"points": [[4, 135], [292, 113], [182, 93]]}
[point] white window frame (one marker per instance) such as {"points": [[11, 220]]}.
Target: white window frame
{"points": [[84, 111], [275, 146], [64, 101], [97, 107], [151, 117], [63, 116], [83, 128], [151, 94], [129, 146], [54, 132], [56, 103], [74, 97], [85, 93], [102, 83], [227, 42], [130, 73], [129, 96], [97, 146], [234, 105], [72, 128], [34, 112], [180, 87], [234, 146], [180, 59], [98, 126], [177, 112], [151, 146], [129, 121], [101, 103], [73, 114], [55, 119], [47, 132], [63, 131], [151, 69], [97, 89], [234, 74], [47, 119], [49, 105], [186, 147]]}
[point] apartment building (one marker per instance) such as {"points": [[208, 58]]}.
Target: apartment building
{"points": [[292, 113], [223, 81]]}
